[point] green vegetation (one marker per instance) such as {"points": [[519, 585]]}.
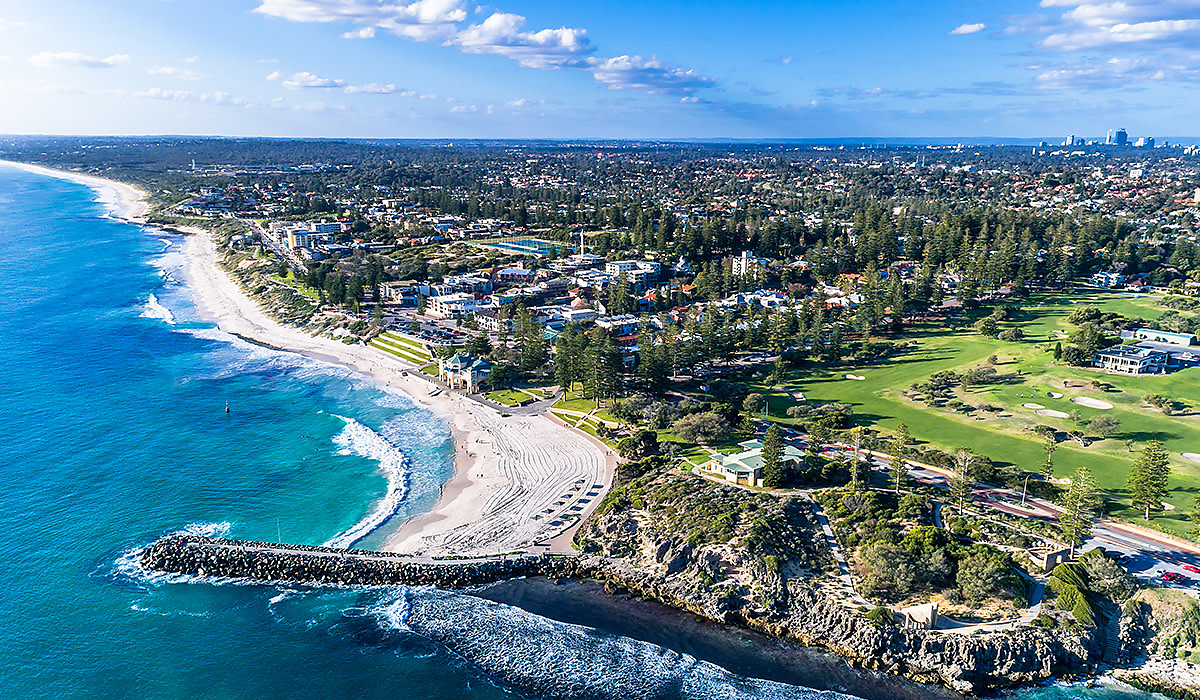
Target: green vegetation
{"points": [[1015, 436]]}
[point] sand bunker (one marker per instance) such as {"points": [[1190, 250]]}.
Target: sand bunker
{"points": [[1054, 394], [857, 377], [1033, 405], [1092, 403], [1191, 456], [1051, 413]]}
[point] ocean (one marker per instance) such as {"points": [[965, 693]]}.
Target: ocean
{"points": [[114, 392]]}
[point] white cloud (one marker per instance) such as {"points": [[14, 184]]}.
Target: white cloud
{"points": [[74, 59], [371, 88], [10, 24], [463, 109], [191, 59], [647, 75], [501, 34], [181, 73], [304, 79], [423, 20], [969, 28], [360, 33], [1140, 33]]}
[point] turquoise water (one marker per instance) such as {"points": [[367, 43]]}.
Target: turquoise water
{"points": [[114, 393]]}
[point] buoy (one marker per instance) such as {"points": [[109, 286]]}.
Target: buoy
{"points": [[227, 407]]}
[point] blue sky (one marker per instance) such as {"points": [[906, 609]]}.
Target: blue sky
{"points": [[616, 69]]}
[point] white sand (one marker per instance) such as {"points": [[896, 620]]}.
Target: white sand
{"points": [[123, 201], [1092, 403], [507, 469], [1050, 412], [1191, 456], [856, 377], [1033, 405], [1055, 394]]}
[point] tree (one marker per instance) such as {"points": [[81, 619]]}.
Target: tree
{"points": [[754, 403], [963, 481], [1104, 426], [987, 327], [1080, 506], [981, 576], [899, 467], [772, 456], [703, 428], [1148, 478], [1048, 465], [479, 345]]}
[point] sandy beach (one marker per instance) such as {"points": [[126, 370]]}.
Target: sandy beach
{"points": [[520, 482], [123, 201], [507, 470]]}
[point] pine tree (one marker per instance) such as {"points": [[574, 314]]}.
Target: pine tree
{"points": [[1148, 478], [899, 466], [1080, 507], [772, 456]]}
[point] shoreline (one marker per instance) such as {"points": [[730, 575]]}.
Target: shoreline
{"points": [[504, 477], [124, 201]]}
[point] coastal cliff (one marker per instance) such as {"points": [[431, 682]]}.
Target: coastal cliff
{"points": [[758, 564]]}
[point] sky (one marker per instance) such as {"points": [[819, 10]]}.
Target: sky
{"points": [[616, 69]]}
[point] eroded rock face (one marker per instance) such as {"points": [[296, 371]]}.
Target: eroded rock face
{"points": [[757, 578]]}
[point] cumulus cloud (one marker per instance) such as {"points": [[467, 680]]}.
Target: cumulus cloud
{"points": [[181, 73], [423, 20], [647, 75], [74, 59], [969, 28], [304, 79], [501, 34], [1087, 25], [373, 89]]}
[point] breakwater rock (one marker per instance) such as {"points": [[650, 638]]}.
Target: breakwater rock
{"points": [[965, 663], [269, 562]]}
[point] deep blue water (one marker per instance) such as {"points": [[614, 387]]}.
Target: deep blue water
{"points": [[113, 395]]}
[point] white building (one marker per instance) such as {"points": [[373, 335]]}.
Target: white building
{"points": [[746, 265], [452, 305]]}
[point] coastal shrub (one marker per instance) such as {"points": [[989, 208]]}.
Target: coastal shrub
{"points": [[880, 617], [703, 428]]}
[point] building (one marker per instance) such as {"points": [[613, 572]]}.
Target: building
{"points": [[1131, 359], [619, 325], [1185, 339], [1121, 138], [1108, 279], [746, 265], [300, 238], [463, 371], [746, 467], [452, 305]]}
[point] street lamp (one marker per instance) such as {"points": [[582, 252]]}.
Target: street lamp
{"points": [[1026, 486]]}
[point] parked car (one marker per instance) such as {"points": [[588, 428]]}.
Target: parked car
{"points": [[1172, 577], [1193, 569]]}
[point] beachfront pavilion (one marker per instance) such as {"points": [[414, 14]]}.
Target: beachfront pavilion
{"points": [[463, 371], [746, 467]]}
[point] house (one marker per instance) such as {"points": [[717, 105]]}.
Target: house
{"points": [[1131, 359], [1184, 339], [1108, 279], [463, 371], [746, 265], [746, 467]]}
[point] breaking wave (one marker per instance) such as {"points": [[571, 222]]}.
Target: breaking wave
{"points": [[358, 439], [155, 309], [552, 659], [129, 564]]}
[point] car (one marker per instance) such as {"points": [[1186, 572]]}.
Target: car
{"points": [[1172, 577], [1193, 569]]}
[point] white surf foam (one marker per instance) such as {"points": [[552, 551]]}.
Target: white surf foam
{"points": [[358, 439], [546, 658], [129, 564], [155, 309]]}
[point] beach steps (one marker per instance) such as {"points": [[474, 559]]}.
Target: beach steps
{"points": [[404, 348]]}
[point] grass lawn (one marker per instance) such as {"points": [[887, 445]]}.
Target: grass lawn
{"points": [[295, 284], [508, 397], [402, 348], [878, 399]]}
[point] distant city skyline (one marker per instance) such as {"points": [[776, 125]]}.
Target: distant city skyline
{"points": [[536, 69]]}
